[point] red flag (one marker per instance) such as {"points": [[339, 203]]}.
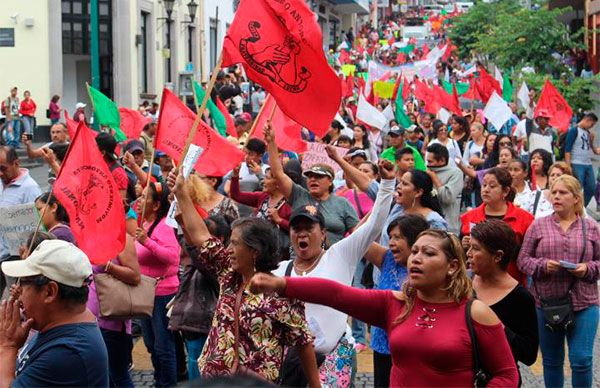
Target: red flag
{"points": [[446, 100], [132, 122], [422, 92], [405, 88], [231, 131], [396, 87], [281, 47], [558, 108], [349, 86], [487, 85], [473, 92], [425, 50], [87, 190], [456, 101], [287, 132], [72, 126], [174, 124]]}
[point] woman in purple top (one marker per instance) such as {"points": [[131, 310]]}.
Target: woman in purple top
{"points": [[117, 333], [55, 219], [563, 259], [54, 109]]}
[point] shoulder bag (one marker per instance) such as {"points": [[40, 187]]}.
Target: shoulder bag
{"points": [[558, 311], [121, 301], [481, 377]]}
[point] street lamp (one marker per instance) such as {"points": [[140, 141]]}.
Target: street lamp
{"points": [[192, 8], [169, 4]]}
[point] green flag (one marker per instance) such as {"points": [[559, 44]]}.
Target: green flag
{"points": [[407, 49], [216, 115], [461, 87], [106, 112], [507, 89], [401, 116]]}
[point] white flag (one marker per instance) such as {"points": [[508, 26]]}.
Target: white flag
{"points": [[368, 114], [447, 75], [343, 46], [498, 75], [388, 112], [345, 131], [444, 115], [523, 95], [497, 111]]}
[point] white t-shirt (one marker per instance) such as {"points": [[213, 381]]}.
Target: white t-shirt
{"points": [[453, 150], [471, 149], [339, 264]]}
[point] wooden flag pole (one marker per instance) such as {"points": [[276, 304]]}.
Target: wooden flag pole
{"points": [[253, 127], [37, 228], [147, 187]]}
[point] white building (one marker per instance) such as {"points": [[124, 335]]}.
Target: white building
{"points": [[45, 45]]}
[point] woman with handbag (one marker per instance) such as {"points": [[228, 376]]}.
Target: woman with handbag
{"points": [[426, 322], [560, 254], [116, 332], [158, 254], [493, 246], [249, 332]]}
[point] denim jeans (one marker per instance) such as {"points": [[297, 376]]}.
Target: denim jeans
{"points": [[585, 176], [580, 342], [160, 343], [119, 346], [194, 349], [13, 137], [358, 327], [28, 122]]}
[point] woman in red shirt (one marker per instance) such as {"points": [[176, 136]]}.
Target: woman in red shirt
{"points": [[426, 322], [497, 195], [27, 111]]}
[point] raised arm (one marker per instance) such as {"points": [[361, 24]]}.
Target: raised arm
{"points": [[360, 179], [285, 182], [194, 225], [375, 254], [246, 198]]}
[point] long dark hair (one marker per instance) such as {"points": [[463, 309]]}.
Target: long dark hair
{"points": [[365, 140], [423, 182], [493, 158], [158, 193], [504, 179], [61, 213], [546, 159], [497, 235], [410, 225]]}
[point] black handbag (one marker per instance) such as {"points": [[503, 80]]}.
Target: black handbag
{"points": [[558, 312], [481, 377]]}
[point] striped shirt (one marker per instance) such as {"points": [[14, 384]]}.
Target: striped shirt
{"points": [[545, 240]]}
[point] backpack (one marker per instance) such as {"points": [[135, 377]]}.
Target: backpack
{"points": [[562, 145], [3, 108]]}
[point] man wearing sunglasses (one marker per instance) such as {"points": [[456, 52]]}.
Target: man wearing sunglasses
{"points": [[51, 295]]}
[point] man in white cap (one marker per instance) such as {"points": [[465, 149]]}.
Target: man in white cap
{"points": [[79, 114], [52, 295]]}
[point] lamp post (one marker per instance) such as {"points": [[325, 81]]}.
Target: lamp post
{"points": [[168, 4], [192, 8]]}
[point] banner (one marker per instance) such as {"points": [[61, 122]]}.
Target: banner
{"points": [[316, 153], [17, 223]]}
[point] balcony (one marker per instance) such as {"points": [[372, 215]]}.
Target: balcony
{"points": [[351, 6]]}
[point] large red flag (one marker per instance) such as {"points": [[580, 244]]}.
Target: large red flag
{"points": [[281, 47], [174, 124], [487, 85], [558, 108], [87, 190], [473, 92], [132, 122], [424, 93], [287, 132], [230, 124], [447, 100], [405, 88], [72, 126]]}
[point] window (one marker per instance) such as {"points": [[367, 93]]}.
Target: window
{"points": [[143, 52], [213, 39]]}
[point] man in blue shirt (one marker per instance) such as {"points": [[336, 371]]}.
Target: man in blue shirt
{"points": [[52, 291], [579, 148]]}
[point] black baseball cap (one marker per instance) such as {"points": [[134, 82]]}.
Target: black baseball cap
{"points": [[134, 145], [308, 211]]}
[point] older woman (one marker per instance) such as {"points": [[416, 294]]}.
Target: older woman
{"points": [[429, 338], [493, 247], [340, 217], [497, 195], [249, 332], [560, 253]]}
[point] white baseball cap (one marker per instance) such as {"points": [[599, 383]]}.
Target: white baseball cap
{"points": [[80, 105], [57, 260]]}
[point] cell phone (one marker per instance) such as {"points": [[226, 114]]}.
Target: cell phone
{"points": [[29, 136], [567, 264]]}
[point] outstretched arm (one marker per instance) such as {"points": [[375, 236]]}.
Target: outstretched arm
{"points": [[360, 179], [285, 182]]}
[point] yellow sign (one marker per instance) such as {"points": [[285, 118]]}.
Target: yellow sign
{"points": [[348, 70], [383, 89]]}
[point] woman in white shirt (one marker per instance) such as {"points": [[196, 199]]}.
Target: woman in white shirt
{"points": [[440, 134]]}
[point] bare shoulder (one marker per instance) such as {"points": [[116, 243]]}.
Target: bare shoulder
{"points": [[399, 295], [482, 314]]}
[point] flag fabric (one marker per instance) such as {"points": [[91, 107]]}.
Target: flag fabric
{"points": [[507, 89], [280, 45], [444, 115], [230, 124], [174, 124], [487, 85], [368, 114], [106, 112], [405, 88], [89, 193], [217, 117], [288, 133], [446, 100], [461, 87], [424, 93], [132, 122], [349, 86], [523, 95], [497, 111], [498, 75], [552, 101], [473, 91], [397, 87]]}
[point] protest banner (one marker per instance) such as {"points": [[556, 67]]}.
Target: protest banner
{"points": [[17, 222], [316, 154]]}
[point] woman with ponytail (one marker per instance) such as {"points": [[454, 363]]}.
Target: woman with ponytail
{"points": [[158, 255], [414, 194]]}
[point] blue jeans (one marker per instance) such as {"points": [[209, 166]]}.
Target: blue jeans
{"points": [[160, 342], [13, 138], [580, 342], [585, 174], [119, 346], [358, 327], [194, 349], [28, 124]]}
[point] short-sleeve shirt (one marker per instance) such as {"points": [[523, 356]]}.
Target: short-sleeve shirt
{"points": [[68, 355], [120, 176], [339, 214]]}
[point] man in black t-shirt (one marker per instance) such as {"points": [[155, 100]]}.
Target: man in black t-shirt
{"points": [[52, 293]]}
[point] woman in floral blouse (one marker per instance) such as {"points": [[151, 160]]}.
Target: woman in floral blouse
{"points": [[249, 332]]}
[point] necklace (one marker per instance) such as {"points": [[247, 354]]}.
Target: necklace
{"points": [[303, 272]]}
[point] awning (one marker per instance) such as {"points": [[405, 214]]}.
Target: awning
{"points": [[351, 6]]}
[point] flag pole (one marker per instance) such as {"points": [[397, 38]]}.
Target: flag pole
{"points": [[146, 186], [95, 125], [253, 127], [37, 228]]}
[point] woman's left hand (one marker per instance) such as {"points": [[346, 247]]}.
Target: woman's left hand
{"points": [[580, 271], [141, 235]]}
